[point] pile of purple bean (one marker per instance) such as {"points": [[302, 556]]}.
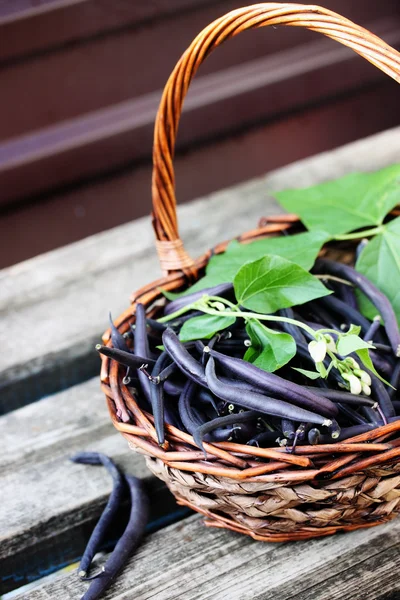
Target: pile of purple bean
{"points": [[206, 389]]}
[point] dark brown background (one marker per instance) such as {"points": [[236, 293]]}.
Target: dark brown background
{"points": [[80, 82]]}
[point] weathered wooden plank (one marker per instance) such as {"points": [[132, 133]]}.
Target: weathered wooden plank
{"points": [[85, 210], [58, 302], [49, 504], [188, 562], [248, 93]]}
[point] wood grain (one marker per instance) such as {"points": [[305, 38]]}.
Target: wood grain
{"points": [[47, 336], [188, 562], [49, 505]]}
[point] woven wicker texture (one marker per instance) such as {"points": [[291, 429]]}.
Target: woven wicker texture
{"points": [[266, 493]]}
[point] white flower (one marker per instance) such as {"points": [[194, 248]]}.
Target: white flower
{"points": [[355, 383], [330, 343], [366, 389], [317, 350]]}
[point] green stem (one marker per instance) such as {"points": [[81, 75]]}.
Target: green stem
{"points": [[250, 315], [176, 314], [224, 301], [360, 234]]}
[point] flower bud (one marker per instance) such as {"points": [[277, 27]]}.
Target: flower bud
{"points": [[317, 350], [350, 361], [363, 375], [366, 389], [355, 383]]}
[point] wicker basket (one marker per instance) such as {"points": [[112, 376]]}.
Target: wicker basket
{"points": [[266, 493]]}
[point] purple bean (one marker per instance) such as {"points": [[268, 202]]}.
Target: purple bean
{"points": [[180, 355], [157, 396], [109, 512], [351, 415], [351, 315], [179, 303], [275, 385], [232, 419], [189, 417], [380, 394], [118, 340], [258, 402], [373, 329], [314, 435], [141, 344], [394, 380], [378, 299], [288, 428], [372, 416], [293, 330], [124, 358], [263, 439], [127, 543], [173, 388], [341, 396]]}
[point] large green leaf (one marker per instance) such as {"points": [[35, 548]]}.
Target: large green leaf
{"points": [[301, 249], [380, 262], [269, 349], [271, 283], [351, 202], [204, 327]]}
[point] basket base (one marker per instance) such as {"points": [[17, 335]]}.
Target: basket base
{"points": [[281, 512]]}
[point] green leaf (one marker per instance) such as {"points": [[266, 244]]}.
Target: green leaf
{"points": [[204, 327], [366, 360], [271, 283], [351, 202], [302, 249], [309, 374], [351, 343], [380, 262], [270, 349]]}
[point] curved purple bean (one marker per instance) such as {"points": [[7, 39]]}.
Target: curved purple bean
{"points": [[127, 543], [172, 388], [275, 385], [293, 330], [262, 439], [179, 303], [219, 422], [258, 402], [125, 358], [378, 299], [109, 512], [180, 355], [189, 417]]}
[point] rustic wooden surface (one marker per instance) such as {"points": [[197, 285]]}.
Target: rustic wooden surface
{"points": [[52, 311], [190, 562]]}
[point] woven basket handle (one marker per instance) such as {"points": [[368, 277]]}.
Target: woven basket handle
{"points": [[171, 251]]}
